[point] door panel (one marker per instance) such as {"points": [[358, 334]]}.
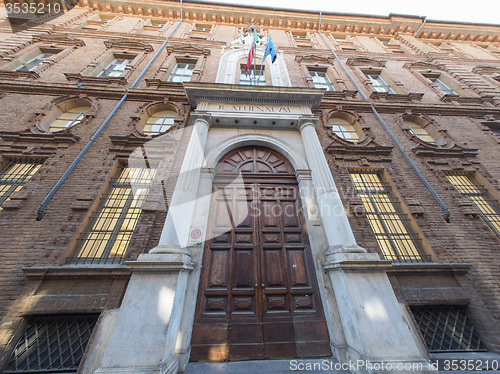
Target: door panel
{"points": [[257, 287]]}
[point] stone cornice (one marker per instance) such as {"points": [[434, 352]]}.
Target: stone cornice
{"points": [[304, 20]]}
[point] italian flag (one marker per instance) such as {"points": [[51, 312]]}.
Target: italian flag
{"points": [[251, 52]]}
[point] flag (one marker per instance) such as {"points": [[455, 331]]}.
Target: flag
{"points": [[251, 52], [270, 50]]}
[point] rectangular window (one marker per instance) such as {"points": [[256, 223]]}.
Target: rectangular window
{"points": [[443, 87], [379, 84], [321, 80], [479, 197], [254, 77], [394, 235], [447, 328], [33, 63], [115, 68], [182, 72], [52, 344], [14, 176], [112, 226]]}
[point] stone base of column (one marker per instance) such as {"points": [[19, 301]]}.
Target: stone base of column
{"points": [[378, 334], [146, 319], [170, 250]]}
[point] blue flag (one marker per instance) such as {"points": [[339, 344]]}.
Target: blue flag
{"points": [[270, 50]]}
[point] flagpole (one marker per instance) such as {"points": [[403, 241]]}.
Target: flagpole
{"points": [[244, 52], [262, 64], [254, 56]]}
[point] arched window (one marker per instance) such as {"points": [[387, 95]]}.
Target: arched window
{"points": [[157, 119], [65, 114], [69, 118], [420, 132], [344, 129]]}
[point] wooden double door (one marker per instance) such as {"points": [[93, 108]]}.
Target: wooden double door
{"points": [[258, 295]]}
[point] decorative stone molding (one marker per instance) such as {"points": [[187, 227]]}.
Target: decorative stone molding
{"points": [[365, 62], [187, 49], [139, 119], [59, 39], [307, 58], [123, 43], [36, 124]]}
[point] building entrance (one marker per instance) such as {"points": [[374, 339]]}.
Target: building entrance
{"points": [[258, 295]]}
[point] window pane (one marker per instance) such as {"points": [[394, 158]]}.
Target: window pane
{"points": [[396, 239], [182, 72], [379, 84], [159, 122], [69, 118], [420, 132], [13, 177], [113, 224], [479, 197], [443, 86], [344, 129]]}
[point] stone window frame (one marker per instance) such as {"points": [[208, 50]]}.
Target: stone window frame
{"points": [[40, 121], [91, 203], [490, 73], [425, 76], [309, 39], [147, 25], [182, 54], [266, 71], [326, 69], [391, 41], [193, 31], [441, 137], [345, 42], [405, 206], [90, 72], [356, 120], [94, 21], [139, 119], [327, 64], [363, 66], [58, 53]]}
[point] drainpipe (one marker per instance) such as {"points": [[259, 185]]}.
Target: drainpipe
{"points": [[420, 28], [41, 209], [446, 212]]}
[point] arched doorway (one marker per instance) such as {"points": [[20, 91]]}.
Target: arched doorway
{"points": [[258, 295]]}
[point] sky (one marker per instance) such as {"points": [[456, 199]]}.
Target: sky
{"points": [[485, 11]]}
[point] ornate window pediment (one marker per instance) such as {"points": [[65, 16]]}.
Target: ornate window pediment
{"points": [[310, 58], [430, 138], [365, 62], [123, 43], [59, 39]]}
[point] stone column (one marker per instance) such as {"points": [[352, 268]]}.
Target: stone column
{"points": [[147, 329], [175, 234], [337, 229], [375, 326]]}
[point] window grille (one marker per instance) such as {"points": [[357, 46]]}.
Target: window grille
{"points": [[479, 197], [394, 235], [379, 84], [52, 344], [13, 177], [321, 80], [182, 73], [447, 329], [113, 224]]}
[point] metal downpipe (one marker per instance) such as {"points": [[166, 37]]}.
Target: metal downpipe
{"points": [[446, 212], [40, 213]]}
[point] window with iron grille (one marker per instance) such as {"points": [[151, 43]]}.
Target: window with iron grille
{"points": [[13, 177], [52, 344], [392, 229], [447, 328], [479, 197], [113, 224]]}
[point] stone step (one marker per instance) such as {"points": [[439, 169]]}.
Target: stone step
{"points": [[289, 366]]}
